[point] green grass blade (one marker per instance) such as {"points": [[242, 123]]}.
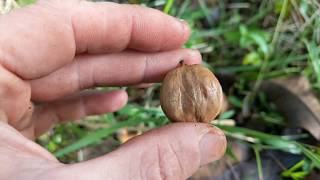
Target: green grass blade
{"points": [[205, 10], [96, 136], [261, 42], [168, 6], [299, 175], [264, 67], [227, 115], [183, 8], [259, 162], [257, 137], [297, 166], [231, 153], [315, 158], [25, 2], [314, 58], [276, 142], [210, 33]]}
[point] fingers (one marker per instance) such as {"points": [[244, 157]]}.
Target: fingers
{"points": [[14, 99], [144, 85], [77, 107], [12, 140], [126, 68], [175, 151], [62, 28], [110, 27]]}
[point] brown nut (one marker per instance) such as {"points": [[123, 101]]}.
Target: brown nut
{"points": [[191, 93]]}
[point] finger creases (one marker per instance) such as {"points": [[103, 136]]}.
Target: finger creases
{"points": [[118, 69], [76, 107], [62, 29], [170, 152], [111, 27], [15, 97]]}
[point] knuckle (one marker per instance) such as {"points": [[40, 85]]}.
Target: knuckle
{"points": [[163, 160], [168, 163]]}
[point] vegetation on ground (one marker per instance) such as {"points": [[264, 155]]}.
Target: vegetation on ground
{"points": [[252, 40]]}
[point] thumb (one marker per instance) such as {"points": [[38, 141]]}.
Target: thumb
{"points": [[175, 151]]}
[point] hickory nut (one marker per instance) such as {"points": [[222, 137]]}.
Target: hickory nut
{"points": [[191, 93]]}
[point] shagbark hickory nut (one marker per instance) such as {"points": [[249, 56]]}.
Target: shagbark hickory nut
{"points": [[191, 93]]}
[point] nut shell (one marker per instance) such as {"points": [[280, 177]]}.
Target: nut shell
{"points": [[191, 93]]}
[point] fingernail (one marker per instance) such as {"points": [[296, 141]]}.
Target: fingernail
{"points": [[183, 25], [212, 146], [192, 57], [196, 56]]}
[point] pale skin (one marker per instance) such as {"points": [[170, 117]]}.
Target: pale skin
{"points": [[52, 51]]}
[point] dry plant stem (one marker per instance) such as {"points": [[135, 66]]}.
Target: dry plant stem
{"points": [[7, 5], [264, 68]]}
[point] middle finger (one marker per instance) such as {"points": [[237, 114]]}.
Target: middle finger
{"points": [[120, 69]]}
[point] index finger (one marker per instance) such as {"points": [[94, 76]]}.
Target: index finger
{"points": [[61, 29], [105, 27]]}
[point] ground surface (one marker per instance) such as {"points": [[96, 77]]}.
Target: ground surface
{"points": [[245, 43]]}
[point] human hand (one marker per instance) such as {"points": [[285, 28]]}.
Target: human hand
{"points": [[50, 52]]}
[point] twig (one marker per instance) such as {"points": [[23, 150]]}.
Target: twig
{"points": [[306, 24], [259, 163], [316, 3], [308, 20], [277, 161], [264, 68], [233, 172], [1, 7], [205, 10], [7, 5]]}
